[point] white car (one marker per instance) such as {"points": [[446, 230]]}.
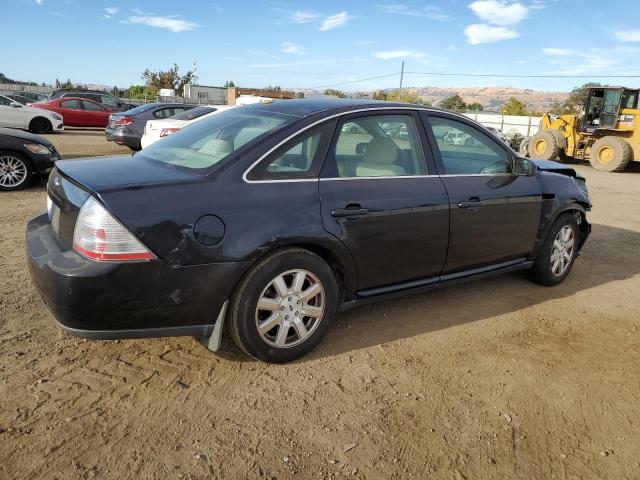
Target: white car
{"points": [[154, 130], [36, 120]]}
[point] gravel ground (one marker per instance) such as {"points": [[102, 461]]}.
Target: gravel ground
{"points": [[497, 379], [84, 142]]}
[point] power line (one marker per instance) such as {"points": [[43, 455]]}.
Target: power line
{"points": [[451, 74], [355, 81], [500, 75]]}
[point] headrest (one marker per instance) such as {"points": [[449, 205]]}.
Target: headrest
{"points": [[381, 151]]}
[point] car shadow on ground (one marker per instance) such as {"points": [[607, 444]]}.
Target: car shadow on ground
{"points": [[610, 255]]}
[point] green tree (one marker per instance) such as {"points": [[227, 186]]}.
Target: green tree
{"points": [[380, 95], [229, 83], [275, 88], [454, 103], [335, 93], [66, 85], [141, 92], [514, 107], [168, 78], [475, 107], [576, 100], [299, 94]]}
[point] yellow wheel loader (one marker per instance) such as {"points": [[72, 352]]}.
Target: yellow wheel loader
{"points": [[606, 131]]}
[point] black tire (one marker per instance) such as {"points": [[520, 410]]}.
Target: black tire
{"points": [[22, 163], [541, 272], [40, 125], [543, 146], [610, 154], [243, 312]]}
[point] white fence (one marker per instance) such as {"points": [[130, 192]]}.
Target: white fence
{"points": [[524, 125]]}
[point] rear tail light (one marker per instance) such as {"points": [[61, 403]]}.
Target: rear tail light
{"points": [[124, 121], [99, 236], [165, 132]]}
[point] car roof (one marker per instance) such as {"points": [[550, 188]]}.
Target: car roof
{"points": [[306, 107]]}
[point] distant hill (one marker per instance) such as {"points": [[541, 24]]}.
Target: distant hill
{"points": [[4, 79], [491, 98]]}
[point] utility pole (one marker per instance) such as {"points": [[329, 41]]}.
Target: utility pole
{"points": [[401, 76]]}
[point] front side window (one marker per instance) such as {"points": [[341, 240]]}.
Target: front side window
{"points": [[379, 146], [466, 150], [92, 106], [74, 104], [211, 140]]}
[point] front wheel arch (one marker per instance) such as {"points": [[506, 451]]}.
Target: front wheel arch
{"points": [[575, 207]]}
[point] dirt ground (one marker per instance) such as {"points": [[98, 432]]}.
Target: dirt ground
{"points": [[496, 379]]}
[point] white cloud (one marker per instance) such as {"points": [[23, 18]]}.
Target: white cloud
{"points": [[557, 52], [430, 11], [499, 12], [39, 2], [288, 47], [483, 33], [334, 21], [303, 17], [628, 35], [110, 12], [290, 64], [406, 54], [234, 59], [169, 23]]}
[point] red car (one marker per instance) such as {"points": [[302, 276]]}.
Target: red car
{"points": [[78, 112]]}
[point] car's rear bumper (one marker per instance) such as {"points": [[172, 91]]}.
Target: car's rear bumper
{"points": [[121, 137], [107, 300]]}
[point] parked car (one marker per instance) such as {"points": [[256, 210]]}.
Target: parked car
{"points": [[154, 130], [265, 217], [34, 96], [103, 98], [127, 128], [454, 137], [15, 115], [23, 156], [77, 112], [20, 99]]}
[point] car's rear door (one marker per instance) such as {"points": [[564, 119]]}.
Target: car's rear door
{"points": [[495, 214], [380, 196], [11, 116]]}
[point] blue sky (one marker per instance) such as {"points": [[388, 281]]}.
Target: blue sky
{"points": [[308, 44]]}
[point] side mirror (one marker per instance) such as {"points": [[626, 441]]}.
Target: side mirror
{"points": [[523, 166], [16, 105]]}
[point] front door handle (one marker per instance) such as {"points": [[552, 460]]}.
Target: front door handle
{"points": [[473, 204], [349, 211]]}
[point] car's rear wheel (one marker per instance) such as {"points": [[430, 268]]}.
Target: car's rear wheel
{"points": [[15, 171], [283, 306], [40, 125], [558, 252]]}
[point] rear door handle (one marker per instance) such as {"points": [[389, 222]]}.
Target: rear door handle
{"points": [[350, 211]]}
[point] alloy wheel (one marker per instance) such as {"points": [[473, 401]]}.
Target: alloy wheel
{"points": [[562, 250], [13, 171], [290, 308]]}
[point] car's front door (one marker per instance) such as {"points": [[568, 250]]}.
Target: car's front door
{"points": [[95, 115], [495, 214], [11, 116], [72, 113], [378, 198]]}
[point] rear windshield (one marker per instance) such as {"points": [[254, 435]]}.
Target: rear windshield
{"points": [[209, 141], [193, 113], [140, 109]]}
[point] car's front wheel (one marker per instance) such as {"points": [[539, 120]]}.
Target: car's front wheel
{"points": [[558, 252], [284, 305], [15, 171]]}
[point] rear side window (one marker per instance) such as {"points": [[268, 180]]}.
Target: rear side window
{"points": [[164, 113], [466, 150], [379, 146], [70, 104], [108, 100], [298, 159], [194, 113]]}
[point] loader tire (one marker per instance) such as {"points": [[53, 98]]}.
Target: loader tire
{"points": [[544, 146], [523, 149], [610, 154]]}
